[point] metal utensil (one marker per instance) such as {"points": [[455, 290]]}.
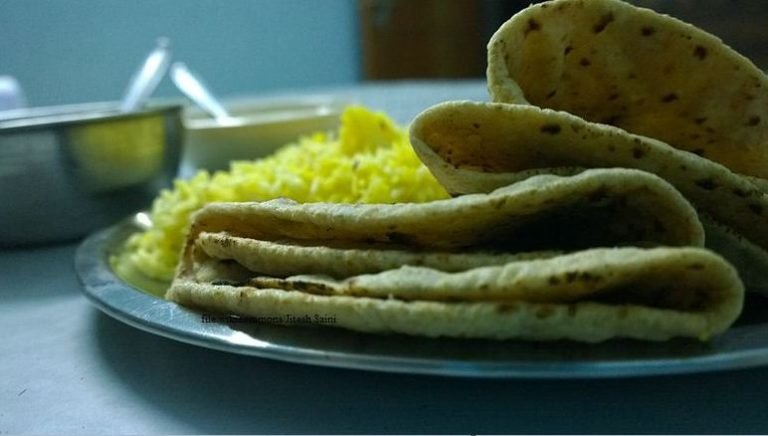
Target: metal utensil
{"points": [[64, 173], [194, 88], [147, 77]]}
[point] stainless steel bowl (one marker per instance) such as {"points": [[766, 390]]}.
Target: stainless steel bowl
{"points": [[66, 171]]}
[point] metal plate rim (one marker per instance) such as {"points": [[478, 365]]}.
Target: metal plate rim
{"points": [[140, 310]]}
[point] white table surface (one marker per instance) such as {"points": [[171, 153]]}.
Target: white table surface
{"points": [[67, 368]]}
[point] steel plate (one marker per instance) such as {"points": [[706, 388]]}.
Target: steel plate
{"points": [[137, 301]]}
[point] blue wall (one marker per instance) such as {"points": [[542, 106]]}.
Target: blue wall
{"points": [[68, 51]]}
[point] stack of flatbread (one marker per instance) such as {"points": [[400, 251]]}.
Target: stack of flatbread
{"points": [[612, 188]]}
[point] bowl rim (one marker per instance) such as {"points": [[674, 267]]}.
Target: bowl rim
{"points": [[268, 111], [68, 115]]}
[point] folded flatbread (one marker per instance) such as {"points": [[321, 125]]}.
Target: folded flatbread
{"points": [[613, 63], [481, 265], [475, 147]]}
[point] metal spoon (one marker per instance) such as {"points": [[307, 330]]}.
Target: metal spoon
{"points": [[147, 77], [194, 88]]}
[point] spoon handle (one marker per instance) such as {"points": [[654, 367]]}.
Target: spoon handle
{"points": [[194, 88], [147, 77]]}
